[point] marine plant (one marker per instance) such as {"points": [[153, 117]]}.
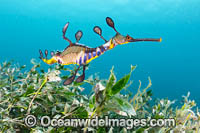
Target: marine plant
{"points": [[39, 92]]}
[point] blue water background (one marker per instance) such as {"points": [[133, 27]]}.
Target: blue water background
{"points": [[173, 65]]}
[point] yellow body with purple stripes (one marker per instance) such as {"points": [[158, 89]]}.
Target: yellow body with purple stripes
{"points": [[78, 54]]}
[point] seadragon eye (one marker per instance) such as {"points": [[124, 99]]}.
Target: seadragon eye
{"points": [[128, 37]]}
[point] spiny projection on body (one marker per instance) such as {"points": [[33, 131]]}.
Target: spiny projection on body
{"points": [[81, 55]]}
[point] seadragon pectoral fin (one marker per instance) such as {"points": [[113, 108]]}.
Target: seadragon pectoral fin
{"points": [[48, 61]]}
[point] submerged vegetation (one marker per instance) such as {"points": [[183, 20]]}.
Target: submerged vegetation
{"points": [[41, 93]]}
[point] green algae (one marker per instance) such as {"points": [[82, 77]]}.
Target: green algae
{"points": [[41, 93]]}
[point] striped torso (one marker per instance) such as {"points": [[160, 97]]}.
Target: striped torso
{"points": [[80, 54]]}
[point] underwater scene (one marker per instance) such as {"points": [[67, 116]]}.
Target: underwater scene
{"points": [[118, 66]]}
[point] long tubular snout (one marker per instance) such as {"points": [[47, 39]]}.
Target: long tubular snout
{"points": [[146, 39]]}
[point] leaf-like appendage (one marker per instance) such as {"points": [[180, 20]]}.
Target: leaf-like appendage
{"points": [[110, 22], [78, 35], [97, 30]]}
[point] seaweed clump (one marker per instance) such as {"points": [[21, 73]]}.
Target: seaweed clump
{"points": [[40, 93]]}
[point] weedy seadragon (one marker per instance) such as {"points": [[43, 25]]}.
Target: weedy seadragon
{"points": [[81, 55]]}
